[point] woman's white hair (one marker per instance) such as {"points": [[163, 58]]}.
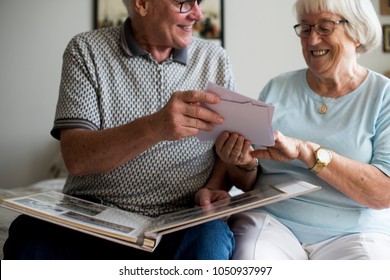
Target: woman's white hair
{"points": [[363, 23], [129, 4]]}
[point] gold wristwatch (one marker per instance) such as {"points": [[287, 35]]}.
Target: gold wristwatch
{"points": [[323, 158]]}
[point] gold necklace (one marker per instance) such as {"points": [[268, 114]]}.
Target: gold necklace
{"points": [[324, 108]]}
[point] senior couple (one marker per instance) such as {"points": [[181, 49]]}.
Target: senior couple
{"points": [[128, 113]]}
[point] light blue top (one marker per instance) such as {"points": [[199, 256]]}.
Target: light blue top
{"points": [[356, 126]]}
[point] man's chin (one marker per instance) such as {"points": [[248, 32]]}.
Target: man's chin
{"points": [[184, 43]]}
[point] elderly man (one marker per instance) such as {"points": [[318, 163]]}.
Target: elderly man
{"points": [[127, 116]]}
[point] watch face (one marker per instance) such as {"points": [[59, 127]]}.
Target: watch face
{"points": [[324, 155]]}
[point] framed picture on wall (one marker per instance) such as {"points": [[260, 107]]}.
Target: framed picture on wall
{"points": [[211, 27], [113, 13], [385, 7], [109, 13], [386, 38]]}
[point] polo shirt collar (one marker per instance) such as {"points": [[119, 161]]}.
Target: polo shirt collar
{"points": [[131, 47]]}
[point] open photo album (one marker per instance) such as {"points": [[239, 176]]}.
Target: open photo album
{"points": [[140, 231]]}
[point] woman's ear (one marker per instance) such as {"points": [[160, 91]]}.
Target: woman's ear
{"points": [[141, 7]]}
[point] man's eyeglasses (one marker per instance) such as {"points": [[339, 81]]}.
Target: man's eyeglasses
{"points": [[323, 28], [186, 6]]}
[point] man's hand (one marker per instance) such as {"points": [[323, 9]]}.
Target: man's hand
{"points": [[207, 196], [183, 115]]}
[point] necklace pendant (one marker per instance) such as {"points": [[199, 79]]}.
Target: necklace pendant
{"points": [[323, 109]]}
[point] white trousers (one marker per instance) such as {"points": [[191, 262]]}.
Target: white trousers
{"points": [[261, 237]]}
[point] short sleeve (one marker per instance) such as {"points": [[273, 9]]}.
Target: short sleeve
{"points": [[78, 101]]}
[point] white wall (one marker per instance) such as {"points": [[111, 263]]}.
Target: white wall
{"points": [[261, 41], [259, 38], [33, 36]]}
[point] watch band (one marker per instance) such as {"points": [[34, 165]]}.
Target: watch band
{"points": [[317, 167], [321, 162]]}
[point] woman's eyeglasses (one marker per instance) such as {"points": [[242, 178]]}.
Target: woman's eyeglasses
{"points": [[323, 28]]}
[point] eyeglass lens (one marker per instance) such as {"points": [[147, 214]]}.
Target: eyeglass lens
{"points": [[322, 28], [186, 6]]}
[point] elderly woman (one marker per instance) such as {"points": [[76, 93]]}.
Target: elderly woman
{"points": [[336, 114]]}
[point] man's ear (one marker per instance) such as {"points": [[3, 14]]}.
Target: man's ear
{"points": [[141, 7]]}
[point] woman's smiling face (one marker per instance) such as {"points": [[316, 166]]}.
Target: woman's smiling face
{"points": [[326, 54]]}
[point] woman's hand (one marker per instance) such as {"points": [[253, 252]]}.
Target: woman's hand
{"points": [[287, 149], [362, 182], [234, 149]]}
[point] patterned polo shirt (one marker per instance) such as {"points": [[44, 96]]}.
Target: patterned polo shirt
{"points": [[107, 81]]}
